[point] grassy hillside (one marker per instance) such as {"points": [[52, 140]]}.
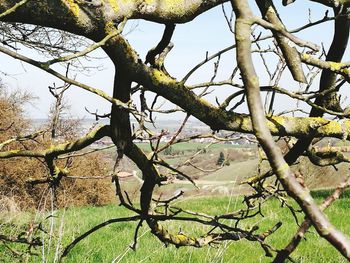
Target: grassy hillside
{"points": [[235, 171], [194, 146], [111, 243]]}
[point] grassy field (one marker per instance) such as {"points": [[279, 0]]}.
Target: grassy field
{"points": [[193, 146], [111, 244], [244, 169]]}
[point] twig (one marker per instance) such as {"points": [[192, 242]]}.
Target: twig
{"points": [[94, 229], [13, 8]]}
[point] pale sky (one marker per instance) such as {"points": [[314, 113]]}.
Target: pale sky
{"points": [[208, 32]]}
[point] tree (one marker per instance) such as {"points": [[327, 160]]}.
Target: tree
{"points": [[168, 151], [221, 159], [103, 21]]}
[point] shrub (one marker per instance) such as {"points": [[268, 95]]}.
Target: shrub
{"points": [[18, 174]]}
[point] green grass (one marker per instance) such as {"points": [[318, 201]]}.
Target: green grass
{"points": [[324, 193], [244, 169], [194, 146], [112, 242]]}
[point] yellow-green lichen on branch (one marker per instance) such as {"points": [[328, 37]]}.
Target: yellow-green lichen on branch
{"points": [[121, 5], [59, 171], [331, 65], [346, 71], [274, 122], [335, 66], [175, 239], [181, 6], [172, 7], [331, 128], [281, 120], [110, 28], [161, 77], [73, 7], [114, 5], [244, 122], [305, 56], [254, 80]]}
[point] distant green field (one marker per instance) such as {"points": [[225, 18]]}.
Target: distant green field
{"points": [[193, 146], [110, 244], [244, 169]]}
